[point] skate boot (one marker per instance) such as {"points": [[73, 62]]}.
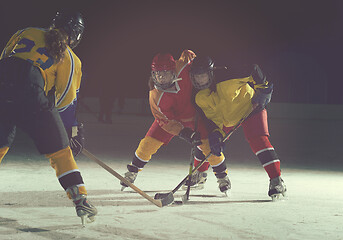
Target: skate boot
{"points": [[197, 181], [277, 188], [84, 209], [224, 184], [129, 176]]}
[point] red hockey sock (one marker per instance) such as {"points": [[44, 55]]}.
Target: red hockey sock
{"points": [[265, 152], [203, 167], [273, 169]]}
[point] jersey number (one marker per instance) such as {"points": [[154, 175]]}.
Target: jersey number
{"points": [[28, 45]]}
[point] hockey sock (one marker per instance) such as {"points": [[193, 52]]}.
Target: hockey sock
{"points": [[3, 152], [204, 167], [198, 157], [213, 159], [66, 169], [267, 155], [220, 170], [146, 148], [137, 164]]}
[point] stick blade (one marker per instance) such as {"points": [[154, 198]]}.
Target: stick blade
{"points": [[161, 195], [166, 198], [169, 199]]}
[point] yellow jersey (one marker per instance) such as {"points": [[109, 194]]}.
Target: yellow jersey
{"points": [[227, 105], [65, 76]]}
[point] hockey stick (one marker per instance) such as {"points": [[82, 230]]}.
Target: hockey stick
{"points": [[185, 197], [159, 202], [167, 195]]}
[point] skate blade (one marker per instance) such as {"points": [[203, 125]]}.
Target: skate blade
{"points": [[277, 197], [85, 219], [184, 199], [90, 219], [122, 188], [226, 193]]}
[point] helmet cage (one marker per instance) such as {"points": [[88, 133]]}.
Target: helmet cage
{"points": [[200, 86], [202, 65], [75, 35], [163, 79]]}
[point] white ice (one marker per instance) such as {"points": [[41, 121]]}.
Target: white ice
{"points": [[34, 206]]}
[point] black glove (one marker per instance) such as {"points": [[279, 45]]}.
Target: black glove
{"points": [[216, 143], [258, 75], [262, 97], [77, 139], [190, 136]]}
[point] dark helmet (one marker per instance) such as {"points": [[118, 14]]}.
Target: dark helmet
{"points": [[200, 65], [72, 23]]}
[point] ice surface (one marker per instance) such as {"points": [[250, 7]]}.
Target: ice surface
{"points": [[34, 206]]}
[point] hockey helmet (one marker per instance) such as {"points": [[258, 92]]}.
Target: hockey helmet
{"points": [[202, 72], [163, 71], [72, 23]]}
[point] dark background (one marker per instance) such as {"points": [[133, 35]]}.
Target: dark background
{"points": [[297, 43]]}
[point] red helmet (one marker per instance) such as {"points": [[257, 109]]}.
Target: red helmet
{"points": [[163, 62], [163, 71]]}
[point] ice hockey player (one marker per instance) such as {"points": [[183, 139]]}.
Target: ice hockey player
{"points": [[40, 73], [170, 103], [226, 95]]}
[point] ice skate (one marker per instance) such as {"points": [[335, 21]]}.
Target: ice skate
{"points": [[84, 209], [224, 184], [277, 188], [129, 176], [198, 180]]}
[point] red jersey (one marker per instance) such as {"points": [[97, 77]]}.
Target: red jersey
{"points": [[173, 108]]}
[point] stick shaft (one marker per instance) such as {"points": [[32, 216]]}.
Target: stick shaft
{"points": [[190, 173], [158, 203]]}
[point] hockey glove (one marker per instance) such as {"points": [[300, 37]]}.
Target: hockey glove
{"points": [[258, 75], [216, 142], [77, 139], [190, 136], [262, 97]]}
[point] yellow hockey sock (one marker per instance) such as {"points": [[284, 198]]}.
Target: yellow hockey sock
{"points": [[3, 152]]}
